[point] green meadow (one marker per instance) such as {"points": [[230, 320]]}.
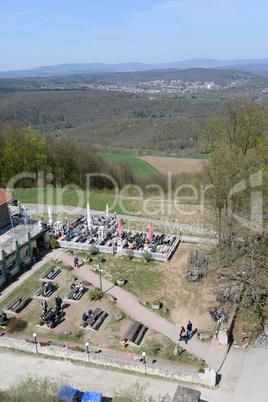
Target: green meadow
{"points": [[140, 167]]}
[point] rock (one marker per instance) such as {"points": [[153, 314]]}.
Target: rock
{"points": [[205, 336], [110, 297], [143, 301], [195, 358], [66, 333], [261, 342], [119, 315], [265, 329]]}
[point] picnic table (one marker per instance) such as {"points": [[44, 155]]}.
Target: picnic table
{"points": [[134, 333], [50, 273], [95, 320], [74, 294], [17, 303], [45, 291]]}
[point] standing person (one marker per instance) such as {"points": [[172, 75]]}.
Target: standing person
{"points": [[76, 261], [44, 306], [189, 329], [58, 302]]}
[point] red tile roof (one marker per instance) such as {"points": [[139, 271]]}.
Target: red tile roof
{"points": [[4, 197]]}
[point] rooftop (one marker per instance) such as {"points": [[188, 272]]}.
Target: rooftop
{"points": [[5, 197]]}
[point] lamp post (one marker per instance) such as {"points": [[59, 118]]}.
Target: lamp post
{"points": [[66, 220], [143, 355], [87, 345], [35, 342], [99, 271]]}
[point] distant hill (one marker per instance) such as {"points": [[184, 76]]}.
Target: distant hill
{"points": [[254, 65]]}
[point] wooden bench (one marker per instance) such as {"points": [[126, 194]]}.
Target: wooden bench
{"points": [[54, 274], [48, 271], [134, 333], [140, 334], [77, 295], [15, 301], [99, 320], [21, 305]]}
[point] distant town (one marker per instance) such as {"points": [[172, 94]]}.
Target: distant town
{"points": [[155, 86]]}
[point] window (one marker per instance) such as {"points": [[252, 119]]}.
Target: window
{"points": [[24, 254]]}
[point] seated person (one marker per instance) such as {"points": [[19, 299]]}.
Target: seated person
{"points": [[90, 312], [72, 285], [84, 317], [81, 288], [50, 287]]}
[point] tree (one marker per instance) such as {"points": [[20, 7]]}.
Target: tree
{"points": [[236, 176]]}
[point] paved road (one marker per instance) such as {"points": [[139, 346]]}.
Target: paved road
{"points": [[245, 378]]}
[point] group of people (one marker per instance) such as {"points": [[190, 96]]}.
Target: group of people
{"points": [[80, 287], [53, 314], [185, 335]]}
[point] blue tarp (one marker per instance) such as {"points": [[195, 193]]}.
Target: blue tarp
{"points": [[67, 394], [92, 397]]}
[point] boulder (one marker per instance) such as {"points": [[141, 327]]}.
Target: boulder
{"points": [[110, 297], [66, 333], [143, 301], [119, 315], [205, 336], [195, 358]]}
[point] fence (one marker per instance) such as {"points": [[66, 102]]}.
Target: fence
{"points": [[122, 251]]}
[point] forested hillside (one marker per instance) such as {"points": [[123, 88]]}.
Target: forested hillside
{"points": [[115, 121]]}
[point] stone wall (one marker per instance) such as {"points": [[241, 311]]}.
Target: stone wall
{"points": [[225, 331], [207, 379]]}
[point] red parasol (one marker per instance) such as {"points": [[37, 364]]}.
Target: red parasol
{"points": [[120, 227], [150, 231]]}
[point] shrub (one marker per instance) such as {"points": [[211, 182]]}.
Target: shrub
{"points": [[53, 243], [147, 255], [129, 252], [93, 250], [35, 252], [34, 388], [94, 295], [16, 325]]}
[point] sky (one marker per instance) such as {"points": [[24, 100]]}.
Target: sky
{"points": [[45, 33]]}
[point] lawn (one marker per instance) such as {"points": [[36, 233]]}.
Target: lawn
{"points": [[140, 167]]}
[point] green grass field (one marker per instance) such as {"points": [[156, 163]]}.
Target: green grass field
{"points": [[140, 167], [74, 198]]}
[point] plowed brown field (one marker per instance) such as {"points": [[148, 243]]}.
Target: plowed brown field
{"points": [[173, 165]]}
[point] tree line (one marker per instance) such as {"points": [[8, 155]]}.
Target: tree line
{"points": [[61, 161]]}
